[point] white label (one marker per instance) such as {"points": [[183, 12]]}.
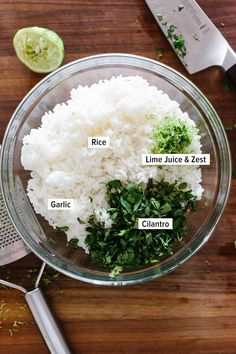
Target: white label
{"points": [[175, 159], [155, 224], [60, 204], [98, 142]]}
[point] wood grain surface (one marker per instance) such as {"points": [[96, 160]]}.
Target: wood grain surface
{"points": [[192, 310]]}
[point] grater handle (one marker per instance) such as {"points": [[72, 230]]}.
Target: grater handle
{"points": [[46, 322]]}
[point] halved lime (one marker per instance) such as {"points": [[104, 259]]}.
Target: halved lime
{"points": [[40, 49]]}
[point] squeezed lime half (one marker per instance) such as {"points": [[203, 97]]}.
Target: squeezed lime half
{"points": [[40, 49]]}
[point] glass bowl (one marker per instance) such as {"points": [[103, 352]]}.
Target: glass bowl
{"points": [[55, 88]]}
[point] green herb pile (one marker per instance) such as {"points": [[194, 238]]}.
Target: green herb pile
{"points": [[177, 40], [124, 245], [171, 137]]}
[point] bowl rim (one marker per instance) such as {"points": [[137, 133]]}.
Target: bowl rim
{"points": [[149, 274]]}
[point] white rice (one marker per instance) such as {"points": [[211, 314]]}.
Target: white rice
{"points": [[62, 166]]}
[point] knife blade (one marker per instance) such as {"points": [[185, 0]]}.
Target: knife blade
{"points": [[195, 39]]}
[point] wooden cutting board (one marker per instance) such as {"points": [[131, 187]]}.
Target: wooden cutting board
{"points": [[192, 310]]}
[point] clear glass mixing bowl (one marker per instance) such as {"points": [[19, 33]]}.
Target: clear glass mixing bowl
{"points": [[55, 88]]}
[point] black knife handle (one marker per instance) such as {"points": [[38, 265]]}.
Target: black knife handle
{"points": [[231, 75]]}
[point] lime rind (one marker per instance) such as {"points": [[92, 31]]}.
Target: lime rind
{"points": [[40, 49]]}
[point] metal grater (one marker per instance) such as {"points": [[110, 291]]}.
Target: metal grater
{"points": [[11, 249], [11, 245]]}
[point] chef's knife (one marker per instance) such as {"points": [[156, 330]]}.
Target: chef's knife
{"points": [[196, 41]]}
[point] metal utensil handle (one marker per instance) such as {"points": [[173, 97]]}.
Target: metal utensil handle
{"points": [[46, 323]]}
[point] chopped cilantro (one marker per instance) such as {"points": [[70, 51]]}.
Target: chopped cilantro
{"points": [[74, 243], [183, 185], [159, 53], [81, 221], [160, 17], [48, 278], [171, 29], [179, 44], [62, 228], [124, 245], [177, 40]]}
